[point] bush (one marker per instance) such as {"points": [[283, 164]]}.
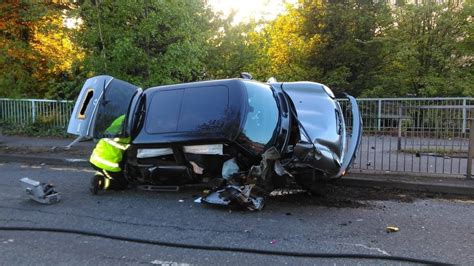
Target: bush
{"points": [[37, 129]]}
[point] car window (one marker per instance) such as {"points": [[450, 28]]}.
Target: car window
{"points": [[262, 115], [190, 109], [113, 108], [203, 108], [163, 112]]}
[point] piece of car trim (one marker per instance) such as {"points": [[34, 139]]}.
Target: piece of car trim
{"points": [[355, 138], [149, 153], [211, 149]]}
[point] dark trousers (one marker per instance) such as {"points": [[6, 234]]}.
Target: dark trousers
{"points": [[118, 181]]}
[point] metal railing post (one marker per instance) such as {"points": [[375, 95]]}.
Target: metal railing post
{"points": [[399, 140], [33, 110], [470, 154], [379, 115], [464, 112]]}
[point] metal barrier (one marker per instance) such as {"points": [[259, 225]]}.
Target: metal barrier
{"points": [[425, 136], [27, 111]]}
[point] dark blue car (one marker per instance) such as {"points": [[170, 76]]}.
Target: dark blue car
{"points": [[270, 134]]}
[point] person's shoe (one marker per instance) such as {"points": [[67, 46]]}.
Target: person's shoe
{"points": [[97, 183]]}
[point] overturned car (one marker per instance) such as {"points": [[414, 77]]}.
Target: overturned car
{"points": [[245, 136]]}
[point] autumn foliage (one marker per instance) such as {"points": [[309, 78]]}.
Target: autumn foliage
{"points": [[368, 48]]}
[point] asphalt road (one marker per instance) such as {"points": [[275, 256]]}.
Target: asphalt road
{"points": [[343, 220]]}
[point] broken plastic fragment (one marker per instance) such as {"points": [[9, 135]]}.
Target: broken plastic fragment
{"points": [[267, 169], [280, 170], [392, 229], [40, 192], [196, 168], [229, 168]]}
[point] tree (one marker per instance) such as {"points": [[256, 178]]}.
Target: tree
{"points": [[36, 49], [351, 40], [233, 48], [288, 46], [432, 51], [148, 43]]}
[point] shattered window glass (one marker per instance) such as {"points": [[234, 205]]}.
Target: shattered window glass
{"points": [[262, 115]]}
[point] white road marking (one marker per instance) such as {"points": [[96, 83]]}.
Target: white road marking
{"points": [[71, 169], [169, 263], [362, 246], [75, 160], [369, 248]]}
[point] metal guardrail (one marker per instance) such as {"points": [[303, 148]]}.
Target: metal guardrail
{"points": [[27, 111], [424, 136]]}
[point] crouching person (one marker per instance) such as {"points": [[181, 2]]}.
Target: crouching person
{"points": [[107, 158]]}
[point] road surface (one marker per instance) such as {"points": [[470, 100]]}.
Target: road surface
{"points": [[342, 220]]}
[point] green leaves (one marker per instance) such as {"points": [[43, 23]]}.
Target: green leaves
{"points": [[429, 56], [367, 48], [148, 43], [370, 48]]}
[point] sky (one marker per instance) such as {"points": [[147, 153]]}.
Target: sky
{"points": [[248, 9]]}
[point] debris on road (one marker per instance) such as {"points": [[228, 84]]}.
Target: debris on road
{"points": [[40, 192], [392, 229], [234, 196]]}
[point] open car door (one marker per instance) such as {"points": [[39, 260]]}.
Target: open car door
{"points": [[102, 100]]}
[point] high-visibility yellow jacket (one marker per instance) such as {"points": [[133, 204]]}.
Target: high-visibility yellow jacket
{"points": [[108, 152]]}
